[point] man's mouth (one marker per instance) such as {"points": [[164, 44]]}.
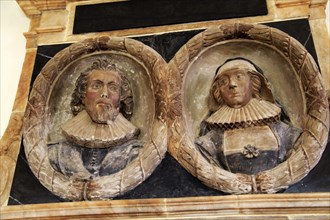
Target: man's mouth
{"points": [[104, 104]]}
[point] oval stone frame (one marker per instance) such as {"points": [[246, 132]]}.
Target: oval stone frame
{"points": [[314, 118], [36, 119]]}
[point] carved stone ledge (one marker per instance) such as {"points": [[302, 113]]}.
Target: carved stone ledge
{"points": [[318, 3], [300, 8], [41, 30], [291, 3], [31, 39], [279, 206], [28, 8]]}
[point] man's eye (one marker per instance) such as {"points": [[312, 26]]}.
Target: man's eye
{"points": [[114, 88], [96, 86]]}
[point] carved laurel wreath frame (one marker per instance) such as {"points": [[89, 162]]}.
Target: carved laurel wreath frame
{"points": [[138, 170], [310, 145]]}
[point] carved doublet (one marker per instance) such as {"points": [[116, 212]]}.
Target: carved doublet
{"points": [[249, 150], [82, 162]]}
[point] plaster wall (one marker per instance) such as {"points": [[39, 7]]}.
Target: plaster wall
{"points": [[13, 24]]}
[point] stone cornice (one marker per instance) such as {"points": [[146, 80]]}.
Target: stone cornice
{"points": [[35, 7]]}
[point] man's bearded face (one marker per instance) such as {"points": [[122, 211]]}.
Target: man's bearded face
{"points": [[102, 96]]}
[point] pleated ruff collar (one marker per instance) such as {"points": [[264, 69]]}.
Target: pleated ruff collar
{"points": [[256, 112], [83, 131]]}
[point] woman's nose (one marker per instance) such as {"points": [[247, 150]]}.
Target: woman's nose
{"points": [[232, 83]]}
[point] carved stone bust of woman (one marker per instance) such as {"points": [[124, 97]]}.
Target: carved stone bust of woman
{"points": [[243, 132]]}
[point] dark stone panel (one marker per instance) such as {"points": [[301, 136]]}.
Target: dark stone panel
{"points": [[26, 188], [44, 54], [169, 179], [168, 44], [147, 13]]}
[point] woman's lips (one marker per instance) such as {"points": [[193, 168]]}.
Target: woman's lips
{"points": [[235, 94]]}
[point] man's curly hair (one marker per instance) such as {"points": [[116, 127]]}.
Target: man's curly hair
{"points": [[126, 97]]}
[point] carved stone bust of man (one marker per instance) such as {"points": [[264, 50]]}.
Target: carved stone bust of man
{"points": [[244, 133], [99, 139]]}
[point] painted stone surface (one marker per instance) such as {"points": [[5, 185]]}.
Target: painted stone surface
{"points": [[95, 123], [296, 85], [166, 45]]}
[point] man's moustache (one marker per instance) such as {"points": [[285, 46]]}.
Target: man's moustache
{"points": [[104, 101]]}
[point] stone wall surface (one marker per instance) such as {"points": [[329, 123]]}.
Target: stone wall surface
{"points": [[170, 192]]}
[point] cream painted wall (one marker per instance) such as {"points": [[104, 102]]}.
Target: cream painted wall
{"points": [[13, 24]]}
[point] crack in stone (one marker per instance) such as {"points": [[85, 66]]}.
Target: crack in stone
{"points": [[16, 200], [44, 55], [309, 36]]}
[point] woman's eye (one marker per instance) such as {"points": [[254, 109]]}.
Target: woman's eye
{"points": [[223, 81]]}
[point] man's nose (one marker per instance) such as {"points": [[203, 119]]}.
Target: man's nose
{"points": [[104, 92]]}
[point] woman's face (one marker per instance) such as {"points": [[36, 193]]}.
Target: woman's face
{"points": [[235, 87]]}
